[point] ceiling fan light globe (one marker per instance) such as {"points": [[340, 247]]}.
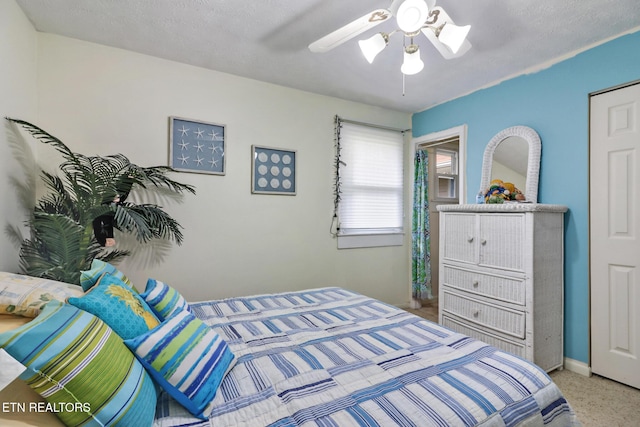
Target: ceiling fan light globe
{"points": [[453, 36], [412, 63], [372, 46], [412, 15]]}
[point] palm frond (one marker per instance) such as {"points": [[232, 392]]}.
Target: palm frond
{"points": [[59, 199], [53, 251], [113, 256], [62, 241], [14, 234], [147, 221], [157, 176], [46, 137], [131, 221]]}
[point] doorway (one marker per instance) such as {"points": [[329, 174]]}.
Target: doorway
{"points": [[614, 222], [446, 185]]}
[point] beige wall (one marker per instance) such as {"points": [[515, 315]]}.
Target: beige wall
{"points": [[18, 98], [101, 100]]}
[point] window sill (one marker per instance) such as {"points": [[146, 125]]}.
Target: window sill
{"points": [[353, 241]]}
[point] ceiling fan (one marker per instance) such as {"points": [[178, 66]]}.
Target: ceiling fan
{"points": [[413, 17]]}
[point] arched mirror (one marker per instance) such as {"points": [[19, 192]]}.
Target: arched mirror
{"points": [[513, 155]]}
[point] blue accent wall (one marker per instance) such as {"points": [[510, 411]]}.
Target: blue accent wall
{"points": [[554, 102]]}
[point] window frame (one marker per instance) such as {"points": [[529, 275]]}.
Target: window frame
{"points": [[376, 236], [452, 176]]}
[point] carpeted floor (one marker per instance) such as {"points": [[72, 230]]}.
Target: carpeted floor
{"points": [[597, 401]]}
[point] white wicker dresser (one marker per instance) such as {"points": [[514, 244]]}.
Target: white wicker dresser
{"points": [[501, 277]]}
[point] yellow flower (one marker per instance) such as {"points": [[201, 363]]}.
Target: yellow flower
{"points": [[509, 186]]}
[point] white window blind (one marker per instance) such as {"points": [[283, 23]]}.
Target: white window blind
{"points": [[371, 177]]}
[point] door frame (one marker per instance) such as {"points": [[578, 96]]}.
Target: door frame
{"points": [[459, 132]]}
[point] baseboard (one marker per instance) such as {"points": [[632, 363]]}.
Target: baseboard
{"points": [[411, 305], [577, 367]]}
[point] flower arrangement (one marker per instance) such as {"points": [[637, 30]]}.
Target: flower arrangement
{"points": [[500, 192]]}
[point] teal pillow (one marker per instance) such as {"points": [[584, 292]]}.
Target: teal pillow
{"points": [[118, 306], [89, 278], [74, 360], [163, 299], [186, 358]]}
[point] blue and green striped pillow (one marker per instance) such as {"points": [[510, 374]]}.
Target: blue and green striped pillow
{"points": [[89, 278], [163, 299], [76, 362], [186, 358]]}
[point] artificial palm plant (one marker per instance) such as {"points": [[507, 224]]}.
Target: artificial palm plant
{"points": [[91, 193]]}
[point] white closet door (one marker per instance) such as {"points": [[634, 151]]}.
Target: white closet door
{"points": [[615, 234]]}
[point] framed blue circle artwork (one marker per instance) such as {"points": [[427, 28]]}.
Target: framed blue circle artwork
{"points": [[273, 171]]}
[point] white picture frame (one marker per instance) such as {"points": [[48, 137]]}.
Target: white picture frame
{"points": [[273, 171], [197, 146]]}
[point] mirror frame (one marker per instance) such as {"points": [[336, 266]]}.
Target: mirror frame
{"points": [[533, 166]]}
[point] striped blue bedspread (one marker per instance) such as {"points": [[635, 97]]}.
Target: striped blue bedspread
{"points": [[332, 358]]}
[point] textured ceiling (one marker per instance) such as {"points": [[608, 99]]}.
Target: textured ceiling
{"points": [[267, 40]]}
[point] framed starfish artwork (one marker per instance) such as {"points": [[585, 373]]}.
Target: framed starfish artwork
{"points": [[197, 146]]}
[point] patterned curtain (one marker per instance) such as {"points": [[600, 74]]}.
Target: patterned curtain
{"points": [[421, 242]]}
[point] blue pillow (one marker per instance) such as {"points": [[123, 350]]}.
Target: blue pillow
{"points": [[163, 299], [118, 306], [74, 360], [89, 278], [186, 358]]}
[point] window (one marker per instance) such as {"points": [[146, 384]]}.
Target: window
{"points": [[371, 186], [446, 174], [447, 153]]}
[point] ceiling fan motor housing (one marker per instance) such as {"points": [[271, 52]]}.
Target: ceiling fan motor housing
{"points": [[412, 15]]}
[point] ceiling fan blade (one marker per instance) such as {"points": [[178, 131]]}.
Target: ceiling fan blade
{"points": [[350, 30], [441, 18]]}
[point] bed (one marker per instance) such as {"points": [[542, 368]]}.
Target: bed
{"points": [[333, 357]]}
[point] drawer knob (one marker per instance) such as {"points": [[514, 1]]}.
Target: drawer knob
{"points": [[483, 241], [476, 313], [470, 239], [475, 283]]}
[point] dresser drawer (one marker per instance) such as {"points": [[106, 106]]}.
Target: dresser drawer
{"points": [[516, 346], [499, 318], [493, 286]]}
